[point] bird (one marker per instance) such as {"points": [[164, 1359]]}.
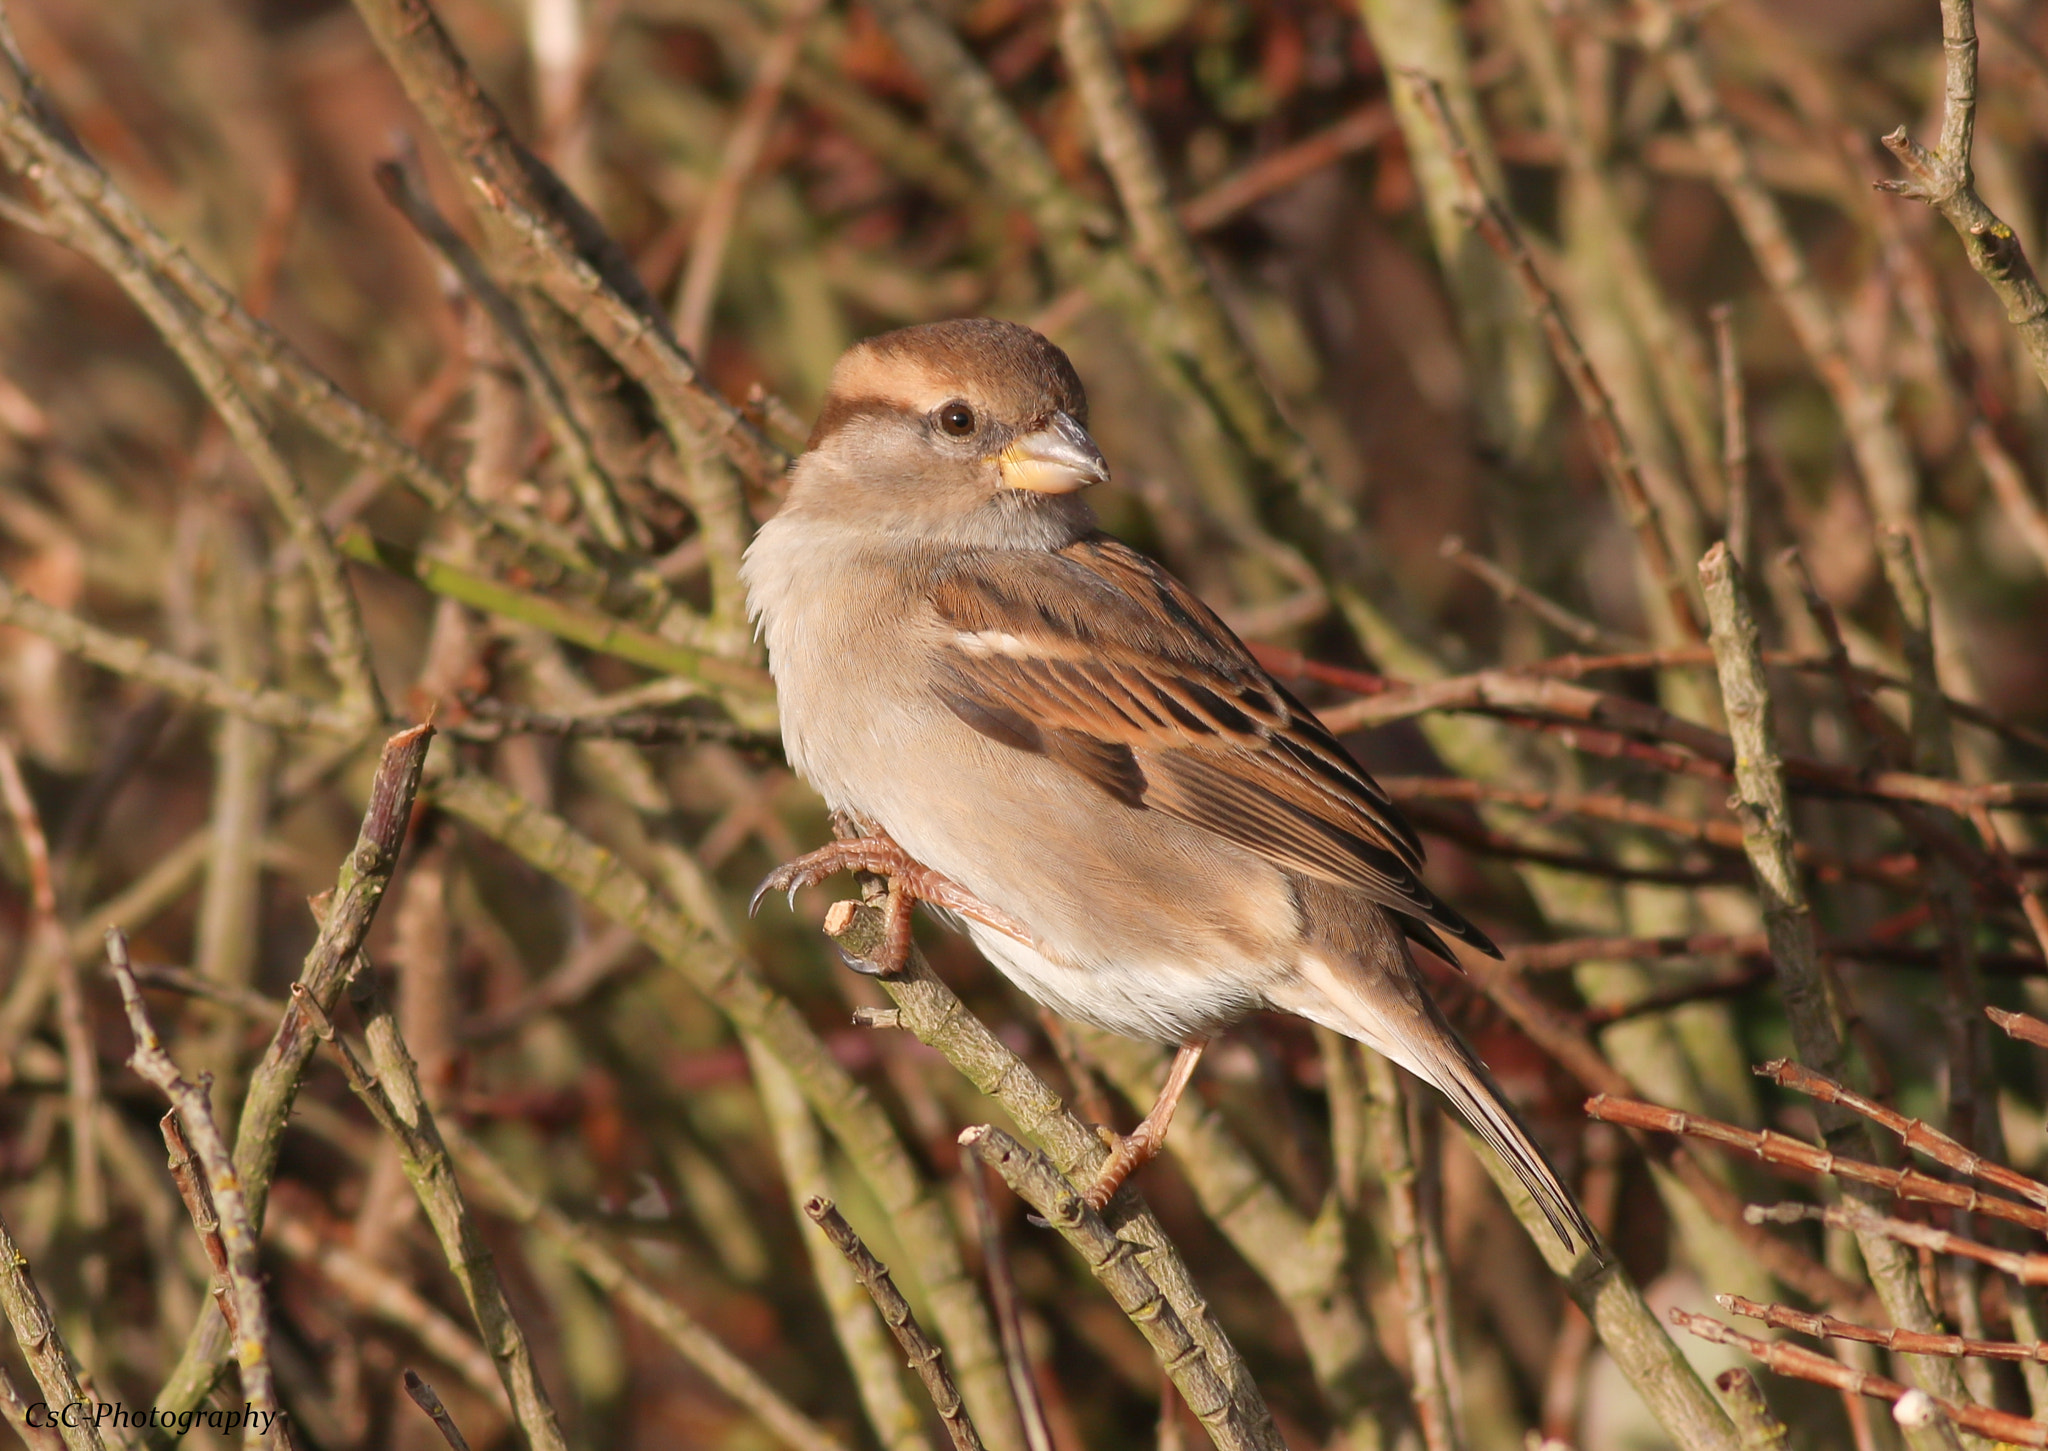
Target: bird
{"points": [[1041, 733]]}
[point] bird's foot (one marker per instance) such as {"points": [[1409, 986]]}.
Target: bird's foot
{"points": [[910, 882], [1130, 1152]]}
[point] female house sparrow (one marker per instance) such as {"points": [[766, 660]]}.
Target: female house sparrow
{"points": [[1043, 732]]}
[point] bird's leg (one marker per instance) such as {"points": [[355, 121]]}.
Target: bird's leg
{"points": [[910, 882], [1139, 1147]]}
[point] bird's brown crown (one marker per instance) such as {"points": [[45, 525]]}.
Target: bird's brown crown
{"points": [[1002, 367]]}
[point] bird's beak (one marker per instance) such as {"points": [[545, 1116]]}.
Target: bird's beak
{"points": [[1058, 459]]}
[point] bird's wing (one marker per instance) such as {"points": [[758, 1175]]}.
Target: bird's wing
{"points": [[1098, 659]]}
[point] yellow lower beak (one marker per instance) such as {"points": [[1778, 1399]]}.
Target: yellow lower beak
{"points": [[1056, 459]]}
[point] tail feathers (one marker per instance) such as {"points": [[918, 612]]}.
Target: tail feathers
{"points": [[1372, 993], [1457, 1073]]}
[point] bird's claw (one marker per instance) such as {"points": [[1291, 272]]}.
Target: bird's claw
{"points": [[909, 881], [867, 967], [790, 878]]}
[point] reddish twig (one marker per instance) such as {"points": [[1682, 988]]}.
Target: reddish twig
{"points": [[2028, 1269], [1784, 1151], [1914, 1134], [1549, 703], [1721, 834], [2023, 1026], [1802, 1364], [1906, 1342], [199, 1207]]}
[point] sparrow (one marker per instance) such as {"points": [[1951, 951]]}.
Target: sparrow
{"points": [[1042, 733]]}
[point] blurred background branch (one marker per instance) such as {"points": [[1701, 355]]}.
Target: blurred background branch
{"points": [[283, 470]]}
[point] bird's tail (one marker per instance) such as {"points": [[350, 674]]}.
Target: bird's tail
{"points": [[1381, 1002], [1456, 1072]]}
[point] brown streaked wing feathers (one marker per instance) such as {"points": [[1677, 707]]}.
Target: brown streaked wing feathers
{"points": [[1098, 659]]}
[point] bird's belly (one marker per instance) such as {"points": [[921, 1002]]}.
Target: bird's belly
{"points": [[1140, 924], [1158, 998]]}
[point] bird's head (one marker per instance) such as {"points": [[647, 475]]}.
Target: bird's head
{"points": [[971, 432]]}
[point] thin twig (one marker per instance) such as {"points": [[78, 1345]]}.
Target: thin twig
{"points": [[925, 1357], [1610, 440], [1739, 527], [1563, 1406], [494, 720], [1772, 1147], [1009, 1307], [48, 957], [1428, 1366], [1803, 1364], [198, 1201], [2026, 515], [404, 187], [1913, 1342], [1882, 733], [2032, 906], [1942, 178], [1232, 1423], [2028, 1269], [1512, 591], [1915, 1135], [423, 1396], [42, 1344], [742, 153], [226, 1189], [1755, 1424], [616, 1276]]}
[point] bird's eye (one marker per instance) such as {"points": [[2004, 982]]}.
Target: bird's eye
{"points": [[957, 419]]}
